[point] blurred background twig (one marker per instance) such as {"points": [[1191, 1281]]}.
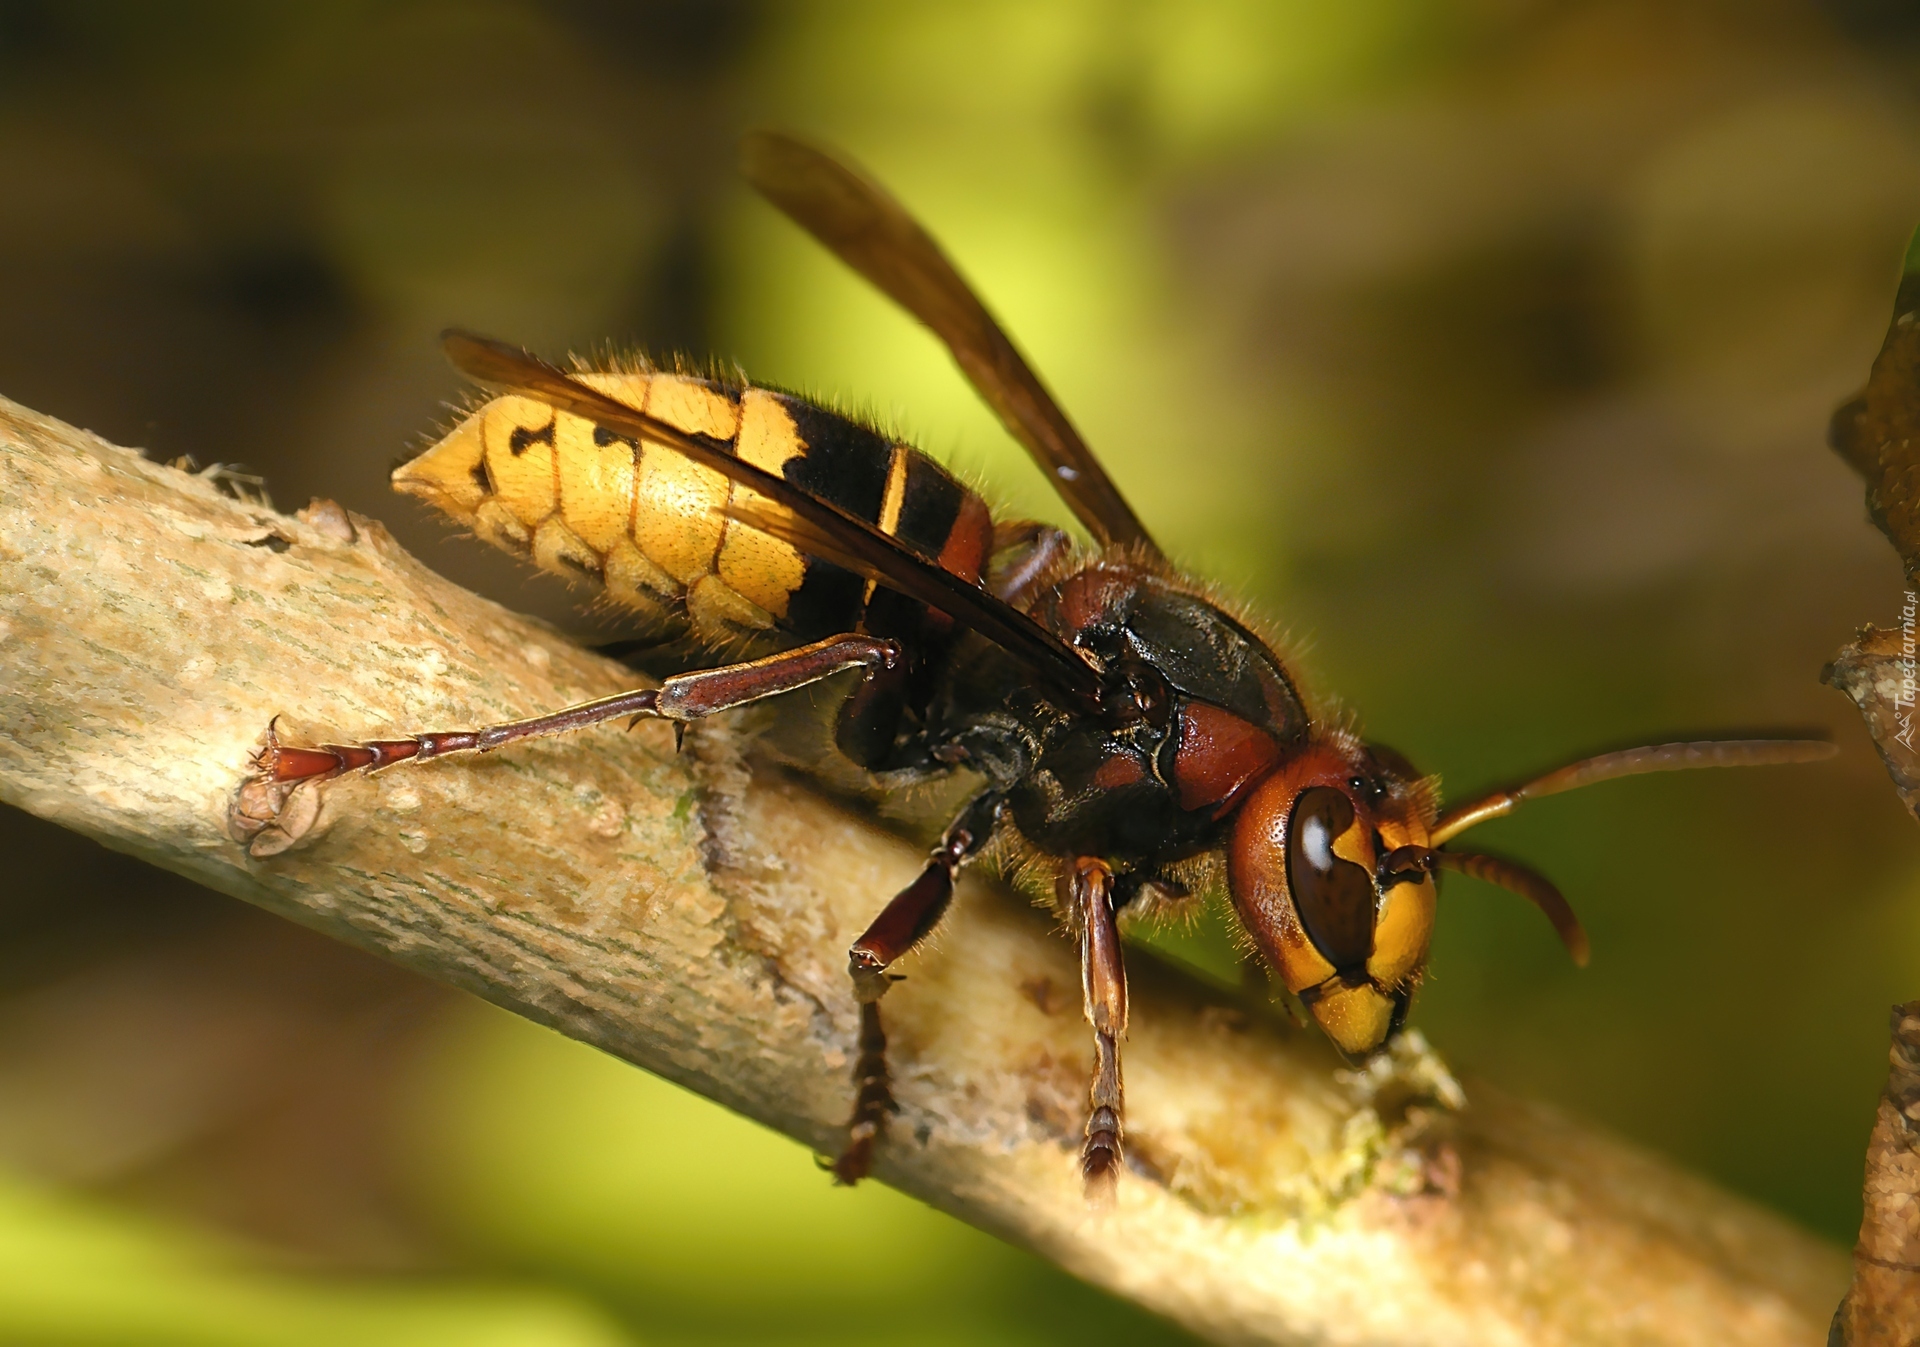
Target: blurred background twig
{"points": [[1485, 343], [1882, 1306], [1879, 671]]}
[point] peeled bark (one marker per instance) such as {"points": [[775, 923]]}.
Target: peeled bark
{"points": [[690, 913]]}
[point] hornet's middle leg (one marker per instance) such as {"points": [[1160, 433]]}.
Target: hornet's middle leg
{"points": [[901, 925], [1103, 986]]}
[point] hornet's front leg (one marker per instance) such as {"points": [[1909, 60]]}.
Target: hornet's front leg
{"points": [[1103, 985], [901, 925]]}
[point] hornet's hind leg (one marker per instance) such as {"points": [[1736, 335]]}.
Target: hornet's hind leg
{"points": [[683, 698], [901, 925]]}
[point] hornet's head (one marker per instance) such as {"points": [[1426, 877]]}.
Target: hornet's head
{"points": [[1321, 883]]}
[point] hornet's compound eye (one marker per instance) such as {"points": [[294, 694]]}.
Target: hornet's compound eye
{"points": [[1334, 896]]}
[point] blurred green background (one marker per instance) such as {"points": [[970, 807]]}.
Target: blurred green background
{"points": [[1487, 345]]}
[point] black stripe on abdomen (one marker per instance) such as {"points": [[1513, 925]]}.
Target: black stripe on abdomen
{"points": [[928, 507], [845, 463]]}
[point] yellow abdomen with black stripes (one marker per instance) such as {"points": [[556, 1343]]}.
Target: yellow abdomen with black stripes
{"points": [[655, 529]]}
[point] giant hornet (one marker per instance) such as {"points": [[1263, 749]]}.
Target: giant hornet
{"points": [[1132, 735]]}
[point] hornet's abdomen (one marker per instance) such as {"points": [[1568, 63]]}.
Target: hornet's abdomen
{"points": [[653, 528]]}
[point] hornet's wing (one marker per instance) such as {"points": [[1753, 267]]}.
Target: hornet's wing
{"points": [[873, 234]]}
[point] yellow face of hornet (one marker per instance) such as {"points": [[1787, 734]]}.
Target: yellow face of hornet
{"points": [[1305, 868]]}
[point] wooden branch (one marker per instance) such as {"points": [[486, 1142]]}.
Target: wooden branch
{"points": [[691, 914]]}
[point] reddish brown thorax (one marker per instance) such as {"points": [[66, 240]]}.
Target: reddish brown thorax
{"points": [[1219, 756]]}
